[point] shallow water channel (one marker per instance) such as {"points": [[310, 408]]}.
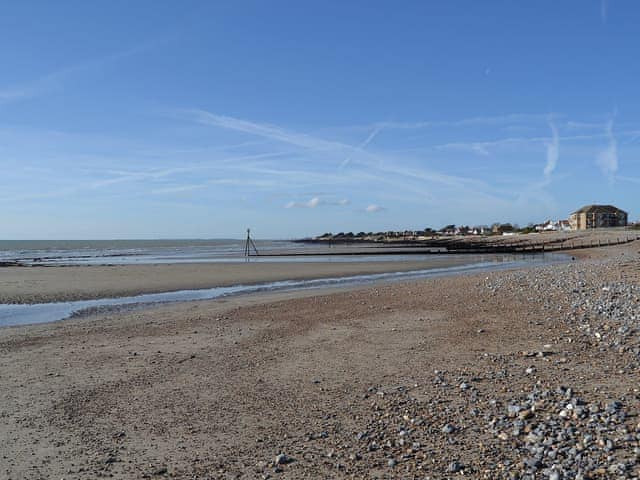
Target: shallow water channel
{"points": [[23, 314]]}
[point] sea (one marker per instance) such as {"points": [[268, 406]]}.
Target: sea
{"points": [[130, 252], [123, 252]]}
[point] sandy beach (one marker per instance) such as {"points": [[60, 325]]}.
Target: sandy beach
{"points": [[65, 283], [530, 373]]}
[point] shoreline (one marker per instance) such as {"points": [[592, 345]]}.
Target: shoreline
{"points": [[35, 285], [26, 314], [435, 377]]}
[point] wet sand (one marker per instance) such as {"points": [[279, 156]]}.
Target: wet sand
{"points": [[54, 284], [414, 380]]}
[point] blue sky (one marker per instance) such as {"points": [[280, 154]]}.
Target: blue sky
{"points": [[200, 119]]}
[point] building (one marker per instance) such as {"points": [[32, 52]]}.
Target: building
{"points": [[502, 228], [549, 226], [597, 216]]}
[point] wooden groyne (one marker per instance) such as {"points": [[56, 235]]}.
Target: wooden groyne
{"points": [[458, 246]]}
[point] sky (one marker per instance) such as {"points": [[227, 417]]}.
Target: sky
{"points": [[162, 119]]}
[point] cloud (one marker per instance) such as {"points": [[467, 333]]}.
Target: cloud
{"points": [[479, 148], [553, 151], [122, 176], [176, 189], [271, 132], [373, 208], [374, 132], [245, 182], [583, 125], [381, 168], [343, 202], [55, 80], [466, 122], [604, 10], [484, 148], [313, 203], [607, 159], [316, 202], [634, 137], [370, 138]]}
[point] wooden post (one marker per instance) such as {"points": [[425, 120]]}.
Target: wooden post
{"points": [[248, 245]]}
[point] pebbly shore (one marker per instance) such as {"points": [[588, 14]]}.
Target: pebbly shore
{"points": [[509, 418]]}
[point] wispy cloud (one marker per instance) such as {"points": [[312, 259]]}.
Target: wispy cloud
{"points": [[604, 10], [370, 138], [635, 180], [304, 169], [466, 122], [478, 148], [357, 154], [485, 148], [123, 176], [176, 189], [553, 151], [373, 208], [634, 138], [374, 132], [56, 80], [313, 203], [316, 202], [271, 132], [384, 168], [573, 125], [607, 159], [245, 182]]}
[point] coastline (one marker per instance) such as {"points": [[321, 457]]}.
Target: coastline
{"points": [[29, 285], [402, 380]]}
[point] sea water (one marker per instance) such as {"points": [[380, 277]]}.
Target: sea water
{"points": [[21, 314]]}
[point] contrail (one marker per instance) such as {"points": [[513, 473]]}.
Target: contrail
{"points": [[363, 145]]}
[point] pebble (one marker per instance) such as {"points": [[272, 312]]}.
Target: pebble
{"points": [[535, 430], [282, 459], [448, 428]]}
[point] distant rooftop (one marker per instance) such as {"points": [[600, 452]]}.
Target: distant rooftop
{"points": [[599, 209]]}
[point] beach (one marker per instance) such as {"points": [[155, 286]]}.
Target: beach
{"points": [[526, 373], [68, 283]]}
